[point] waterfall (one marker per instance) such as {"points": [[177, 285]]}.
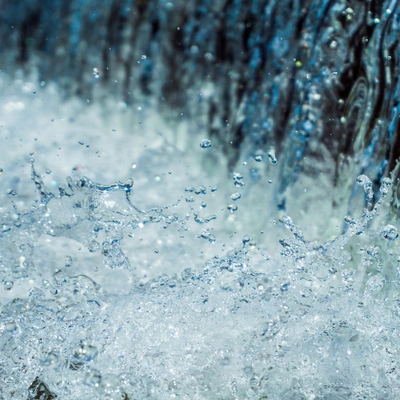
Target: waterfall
{"points": [[199, 199]]}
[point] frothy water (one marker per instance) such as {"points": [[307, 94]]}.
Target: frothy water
{"points": [[187, 213], [126, 291]]}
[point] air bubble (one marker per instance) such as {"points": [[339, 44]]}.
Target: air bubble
{"points": [[389, 232], [258, 158], [8, 285]]}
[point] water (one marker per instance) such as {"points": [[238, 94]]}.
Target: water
{"points": [[203, 207]]}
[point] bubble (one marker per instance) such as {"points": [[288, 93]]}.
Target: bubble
{"points": [[96, 73], [389, 232], [205, 144], [363, 180], [48, 171], [366, 183], [258, 158], [85, 352], [8, 285]]}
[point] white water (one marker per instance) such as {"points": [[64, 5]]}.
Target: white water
{"points": [[179, 314]]}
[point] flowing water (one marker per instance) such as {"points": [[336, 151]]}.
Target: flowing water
{"points": [[199, 200]]}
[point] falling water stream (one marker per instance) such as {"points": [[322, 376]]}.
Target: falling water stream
{"points": [[199, 200]]}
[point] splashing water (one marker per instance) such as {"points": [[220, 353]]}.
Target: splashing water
{"points": [[320, 322], [186, 278]]}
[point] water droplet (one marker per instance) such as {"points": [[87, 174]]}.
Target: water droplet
{"points": [[285, 287], [8, 285], [200, 190], [238, 179], [363, 180], [194, 49], [272, 157], [212, 238], [236, 196], [205, 144], [205, 235], [232, 207]]}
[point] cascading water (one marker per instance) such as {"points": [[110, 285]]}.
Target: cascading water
{"points": [[186, 278]]}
